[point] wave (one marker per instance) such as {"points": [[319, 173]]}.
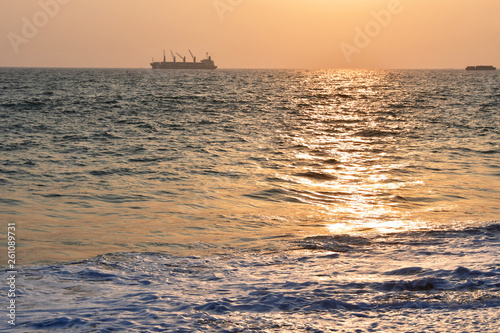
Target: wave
{"points": [[372, 133], [301, 196], [316, 175], [336, 277]]}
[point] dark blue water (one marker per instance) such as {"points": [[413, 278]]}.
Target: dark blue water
{"points": [[243, 199]]}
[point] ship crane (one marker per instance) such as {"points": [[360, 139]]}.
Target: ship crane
{"points": [[183, 58], [192, 56], [173, 56]]}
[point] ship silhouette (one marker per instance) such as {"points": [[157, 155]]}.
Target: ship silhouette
{"points": [[206, 63], [480, 68]]}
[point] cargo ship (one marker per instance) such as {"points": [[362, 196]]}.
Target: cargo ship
{"points": [[480, 68], [206, 63]]}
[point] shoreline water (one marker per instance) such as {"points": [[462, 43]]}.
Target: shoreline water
{"points": [[433, 281], [264, 244]]}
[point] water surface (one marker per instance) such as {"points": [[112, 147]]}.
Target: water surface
{"points": [[230, 200]]}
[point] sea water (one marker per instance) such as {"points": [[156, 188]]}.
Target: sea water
{"points": [[252, 200]]}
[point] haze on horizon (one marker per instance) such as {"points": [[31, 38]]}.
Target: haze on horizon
{"points": [[251, 33]]}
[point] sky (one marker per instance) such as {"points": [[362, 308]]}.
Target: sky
{"points": [[306, 34]]}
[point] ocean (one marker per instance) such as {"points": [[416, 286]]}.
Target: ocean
{"points": [[251, 200]]}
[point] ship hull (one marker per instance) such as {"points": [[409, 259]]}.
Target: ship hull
{"points": [[182, 65], [480, 68]]}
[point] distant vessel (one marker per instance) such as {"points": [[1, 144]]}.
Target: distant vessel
{"points": [[206, 63], [480, 68]]}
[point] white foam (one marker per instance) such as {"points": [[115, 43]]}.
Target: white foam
{"points": [[439, 282]]}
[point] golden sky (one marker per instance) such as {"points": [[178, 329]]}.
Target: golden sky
{"points": [[251, 33]]}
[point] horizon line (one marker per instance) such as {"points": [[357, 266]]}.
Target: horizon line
{"points": [[239, 68]]}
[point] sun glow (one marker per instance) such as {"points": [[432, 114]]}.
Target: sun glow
{"points": [[251, 34]]}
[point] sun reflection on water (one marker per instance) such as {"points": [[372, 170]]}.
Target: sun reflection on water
{"points": [[356, 165]]}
